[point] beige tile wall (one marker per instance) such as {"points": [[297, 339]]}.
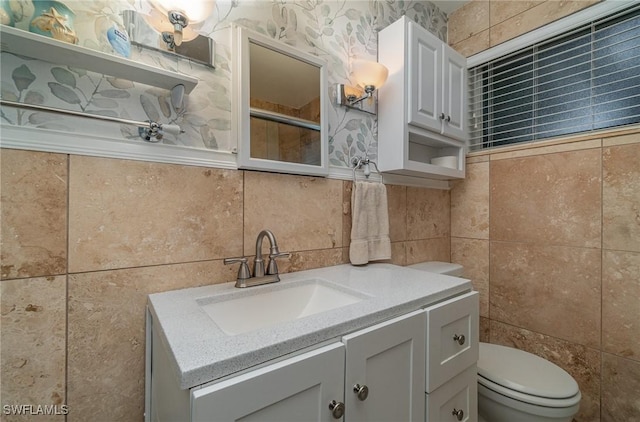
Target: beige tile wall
{"points": [[481, 24], [551, 238], [550, 235], [84, 240]]}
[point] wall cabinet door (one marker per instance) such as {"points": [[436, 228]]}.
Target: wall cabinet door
{"points": [[295, 389], [389, 360], [454, 98], [437, 89], [425, 79]]}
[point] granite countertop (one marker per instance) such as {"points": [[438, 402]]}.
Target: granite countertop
{"points": [[202, 352]]}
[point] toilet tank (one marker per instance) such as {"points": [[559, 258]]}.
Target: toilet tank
{"points": [[439, 267]]}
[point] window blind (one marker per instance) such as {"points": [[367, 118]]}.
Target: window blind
{"points": [[583, 80]]}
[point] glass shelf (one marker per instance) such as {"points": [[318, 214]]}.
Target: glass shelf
{"points": [[36, 46]]}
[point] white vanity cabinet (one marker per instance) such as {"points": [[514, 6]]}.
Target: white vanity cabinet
{"points": [[397, 355], [382, 378], [422, 110]]}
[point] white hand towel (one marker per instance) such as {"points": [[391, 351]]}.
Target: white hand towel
{"points": [[370, 223]]}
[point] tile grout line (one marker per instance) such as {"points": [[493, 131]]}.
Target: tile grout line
{"points": [[601, 272], [489, 240], [66, 319]]}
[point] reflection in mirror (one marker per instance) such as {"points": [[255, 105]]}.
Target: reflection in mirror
{"points": [[282, 93], [291, 88]]}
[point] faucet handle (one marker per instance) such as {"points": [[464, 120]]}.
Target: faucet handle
{"points": [[243, 271], [272, 267]]}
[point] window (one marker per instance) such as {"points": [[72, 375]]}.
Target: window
{"points": [[583, 80]]}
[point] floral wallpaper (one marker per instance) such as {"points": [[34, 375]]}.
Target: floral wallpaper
{"points": [[336, 30]]}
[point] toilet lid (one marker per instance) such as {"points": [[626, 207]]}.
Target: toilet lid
{"points": [[524, 372]]}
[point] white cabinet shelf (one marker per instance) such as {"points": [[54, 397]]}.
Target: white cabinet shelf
{"points": [[422, 106], [50, 50]]}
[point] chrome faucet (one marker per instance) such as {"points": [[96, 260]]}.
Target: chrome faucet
{"points": [[259, 276]]}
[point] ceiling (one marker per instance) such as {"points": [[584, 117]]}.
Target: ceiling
{"points": [[448, 6]]}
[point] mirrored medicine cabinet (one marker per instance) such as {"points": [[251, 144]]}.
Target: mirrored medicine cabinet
{"points": [[280, 105]]}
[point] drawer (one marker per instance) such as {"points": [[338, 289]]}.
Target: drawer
{"points": [[456, 400], [452, 338]]}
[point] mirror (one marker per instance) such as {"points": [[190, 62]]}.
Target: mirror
{"points": [[281, 95]]}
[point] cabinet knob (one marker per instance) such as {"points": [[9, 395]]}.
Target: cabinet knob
{"points": [[459, 338], [441, 116], [337, 409], [458, 413], [448, 119], [362, 391]]}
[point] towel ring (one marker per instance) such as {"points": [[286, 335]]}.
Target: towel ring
{"points": [[363, 162]]}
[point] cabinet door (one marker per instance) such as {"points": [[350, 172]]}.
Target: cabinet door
{"points": [[389, 360], [454, 100], [425, 79], [296, 389]]}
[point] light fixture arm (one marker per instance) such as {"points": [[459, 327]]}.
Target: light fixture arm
{"points": [[368, 92]]}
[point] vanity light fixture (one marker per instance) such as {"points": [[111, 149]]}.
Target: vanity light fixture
{"points": [[370, 76], [174, 19]]}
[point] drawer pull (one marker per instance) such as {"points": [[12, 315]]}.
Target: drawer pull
{"points": [[362, 391], [458, 413], [459, 338], [337, 409]]}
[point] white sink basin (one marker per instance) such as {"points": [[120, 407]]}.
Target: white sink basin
{"points": [[249, 310]]}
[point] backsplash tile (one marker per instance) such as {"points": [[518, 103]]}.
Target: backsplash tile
{"points": [[428, 213], [33, 236], [397, 201], [127, 213], [308, 260], [32, 344], [304, 213], [437, 249]]}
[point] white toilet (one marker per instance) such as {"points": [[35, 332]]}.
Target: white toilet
{"points": [[514, 385]]}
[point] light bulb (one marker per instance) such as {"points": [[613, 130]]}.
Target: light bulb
{"points": [[369, 73], [177, 37]]}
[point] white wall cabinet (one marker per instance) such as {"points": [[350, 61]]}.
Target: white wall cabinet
{"points": [[422, 108]]}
